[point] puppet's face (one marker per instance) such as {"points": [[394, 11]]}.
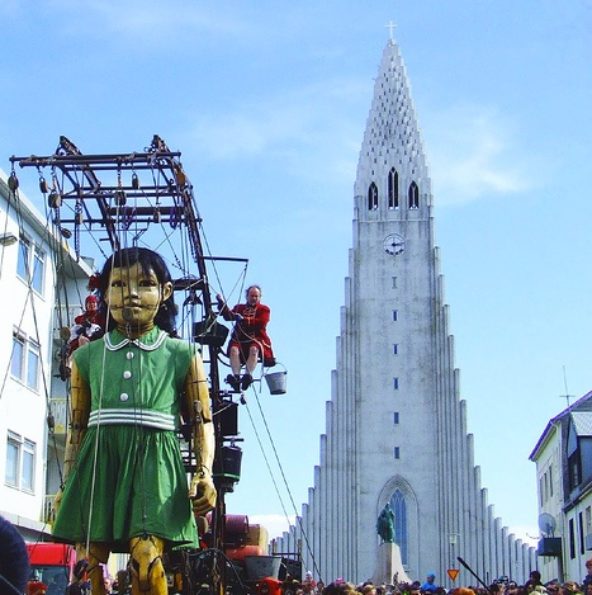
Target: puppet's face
{"points": [[134, 296]]}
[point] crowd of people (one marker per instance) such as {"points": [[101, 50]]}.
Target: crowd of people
{"points": [[503, 586]]}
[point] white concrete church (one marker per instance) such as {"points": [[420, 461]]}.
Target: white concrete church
{"points": [[396, 425]]}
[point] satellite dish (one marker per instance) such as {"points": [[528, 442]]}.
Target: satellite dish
{"points": [[547, 524]]}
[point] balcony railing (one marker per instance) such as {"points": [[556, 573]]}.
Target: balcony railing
{"points": [[48, 512], [59, 410]]}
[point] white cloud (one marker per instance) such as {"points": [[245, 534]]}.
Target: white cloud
{"points": [[310, 127], [157, 22], [474, 152]]}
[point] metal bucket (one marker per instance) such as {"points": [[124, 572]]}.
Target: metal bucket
{"points": [[277, 382], [259, 567]]}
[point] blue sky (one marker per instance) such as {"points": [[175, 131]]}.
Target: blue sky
{"points": [[268, 101]]}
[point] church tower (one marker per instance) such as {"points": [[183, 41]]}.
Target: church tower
{"points": [[396, 426]]}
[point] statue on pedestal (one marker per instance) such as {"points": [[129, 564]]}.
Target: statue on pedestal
{"points": [[385, 525]]}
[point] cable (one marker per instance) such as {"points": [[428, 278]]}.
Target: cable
{"points": [[279, 464]]}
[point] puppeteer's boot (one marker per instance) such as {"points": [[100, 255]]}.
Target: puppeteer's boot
{"points": [[234, 381], [246, 381]]}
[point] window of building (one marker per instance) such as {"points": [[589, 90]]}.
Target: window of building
{"points": [[581, 533], [20, 462], [396, 417], [33, 365], [413, 196], [550, 481], [395, 383], [396, 452], [574, 470], [22, 265], [24, 365], [17, 363], [372, 197], [572, 540], [38, 269], [12, 460], [541, 500], [394, 283], [395, 348], [588, 520], [393, 189], [395, 315], [399, 507], [31, 264], [545, 487]]}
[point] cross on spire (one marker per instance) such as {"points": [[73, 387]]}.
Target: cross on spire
{"points": [[391, 27]]}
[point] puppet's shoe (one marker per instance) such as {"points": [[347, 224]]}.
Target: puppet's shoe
{"points": [[234, 382], [246, 381]]}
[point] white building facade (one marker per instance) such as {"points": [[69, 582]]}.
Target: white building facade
{"points": [[30, 277], [395, 425], [563, 457]]}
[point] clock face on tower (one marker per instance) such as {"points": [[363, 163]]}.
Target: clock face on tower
{"points": [[394, 244]]}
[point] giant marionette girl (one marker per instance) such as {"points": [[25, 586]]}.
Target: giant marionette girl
{"points": [[125, 485]]}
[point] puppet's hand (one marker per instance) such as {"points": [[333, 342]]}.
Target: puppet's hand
{"points": [[203, 494], [57, 502]]}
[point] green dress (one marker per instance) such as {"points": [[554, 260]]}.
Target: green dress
{"points": [[128, 479]]}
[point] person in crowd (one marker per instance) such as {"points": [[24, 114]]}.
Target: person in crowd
{"points": [[430, 583], [588, 578], [129, 389], [14, 561], [533, 581], [570, 588], [249, 342], [309, 585]]}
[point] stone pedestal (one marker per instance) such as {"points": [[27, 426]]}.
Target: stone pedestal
{"points": [[388, 563]]}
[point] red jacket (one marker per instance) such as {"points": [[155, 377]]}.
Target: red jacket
{"points": [[251, 329]]}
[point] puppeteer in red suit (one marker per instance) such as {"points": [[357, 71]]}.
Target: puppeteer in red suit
{"points": [[249, 342]]}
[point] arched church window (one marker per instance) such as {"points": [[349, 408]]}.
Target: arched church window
{"points": [[393, 189], [413, 196], [372, 197], [399, 507]]}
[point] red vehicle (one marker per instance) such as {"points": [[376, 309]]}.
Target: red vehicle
{"points": [[51, 564]]}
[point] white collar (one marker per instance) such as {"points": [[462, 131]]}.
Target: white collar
{"points": [[137, 342]]}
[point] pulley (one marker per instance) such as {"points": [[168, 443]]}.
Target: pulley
{"points": [[54, 200], [13, 182]]}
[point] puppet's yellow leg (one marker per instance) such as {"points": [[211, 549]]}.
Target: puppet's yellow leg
{"points": [[148, 575]]}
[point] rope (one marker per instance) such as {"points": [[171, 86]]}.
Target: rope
{"points": [[267, 464], [279, 464]]}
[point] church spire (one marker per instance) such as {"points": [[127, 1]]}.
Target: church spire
{"points": [[392, 140]]}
